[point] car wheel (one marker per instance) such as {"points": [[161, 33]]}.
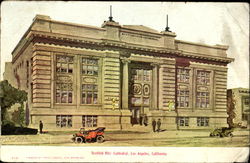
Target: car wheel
{"points": [[100, 139], [231, 135], [78, 140]]}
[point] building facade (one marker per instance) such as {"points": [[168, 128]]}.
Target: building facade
{"points": [[120, 77], [238, 102]]}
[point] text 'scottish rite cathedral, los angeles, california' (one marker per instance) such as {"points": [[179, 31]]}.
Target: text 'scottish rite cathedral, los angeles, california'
{"points": [[118, 77]]}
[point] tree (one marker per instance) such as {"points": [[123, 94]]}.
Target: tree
{"points": [[10, 96], [18, 116], [230, 108]]}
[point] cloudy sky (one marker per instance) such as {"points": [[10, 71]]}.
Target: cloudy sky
{"points": [[210, 23]]}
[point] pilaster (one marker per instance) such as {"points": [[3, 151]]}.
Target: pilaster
{"points": [[125, 79], [155, 88]]}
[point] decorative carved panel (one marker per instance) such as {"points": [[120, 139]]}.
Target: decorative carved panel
{"points": [[136, 89], [89, 80], [64, 79], [146, 89]]}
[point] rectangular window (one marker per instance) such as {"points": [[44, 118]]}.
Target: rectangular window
{"points": [[64, 64], [202, 121], [64, 121], [183, 75], [146, 75], [246, 101], [89, 121], [183, 121], [183, 88], [182, 98], [203, 77], [202, 99], [89, 70], [89, 94], [203, 89], [64, 93], [89, 66]]}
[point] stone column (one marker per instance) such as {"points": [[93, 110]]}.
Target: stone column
{"points": [[125, 79], [155, 86]]}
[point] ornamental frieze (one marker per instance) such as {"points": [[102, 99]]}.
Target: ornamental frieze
{"points": [[139, 36]]}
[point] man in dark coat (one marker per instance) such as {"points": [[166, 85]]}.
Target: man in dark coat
{"points": [[153, 124], [41, 127], [159, 125]]}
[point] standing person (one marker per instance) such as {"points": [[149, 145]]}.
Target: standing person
{"points": [[159, 125], [153, 124], [145, 120], [41, 127]]}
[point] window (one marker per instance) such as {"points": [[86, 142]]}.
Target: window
{"points": [[89, 121], [64, 64], [183, 98], [141, 74], [203, 89], [89, 66], [246, 101], [183, 88], [245, 117], [146, 75], [89, 94], [203, 77], [202, 121], [64, 121], [183, 121], [202, 99], [64, 86], [64, 93], [183, 75]]}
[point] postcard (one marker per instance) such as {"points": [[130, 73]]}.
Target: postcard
{"points": [[124, 81]]}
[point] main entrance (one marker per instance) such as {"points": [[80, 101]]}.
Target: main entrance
{"points": [[139, 91]]}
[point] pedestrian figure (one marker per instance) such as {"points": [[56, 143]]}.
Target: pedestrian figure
{"points": [[159, 125], [145, 120], [41, 127], [141, 119], [153, 124]]}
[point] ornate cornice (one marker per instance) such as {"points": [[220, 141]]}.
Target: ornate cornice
{"points": [[102, 44]]}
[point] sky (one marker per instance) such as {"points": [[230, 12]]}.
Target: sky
{"points": [[210, 23]]}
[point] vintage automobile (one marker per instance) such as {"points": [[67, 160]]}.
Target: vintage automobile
{"points": [[222, 132], [83, 136]]}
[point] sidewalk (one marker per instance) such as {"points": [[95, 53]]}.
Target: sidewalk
{"points": [[168, 134]]}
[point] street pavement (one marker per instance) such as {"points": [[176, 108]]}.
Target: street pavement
{"points": [[180, 138]]}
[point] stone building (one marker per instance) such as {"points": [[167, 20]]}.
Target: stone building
{"points": [[238, 102], [119, 76]]}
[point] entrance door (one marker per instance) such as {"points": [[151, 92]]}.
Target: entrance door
{"points": [[135, 115], [139, 92]]}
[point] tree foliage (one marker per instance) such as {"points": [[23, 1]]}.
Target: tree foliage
{"points": [[230, 108], [18, 116], [10, 96]]}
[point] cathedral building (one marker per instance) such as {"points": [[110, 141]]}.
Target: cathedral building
{"points": [[118, 77]]}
